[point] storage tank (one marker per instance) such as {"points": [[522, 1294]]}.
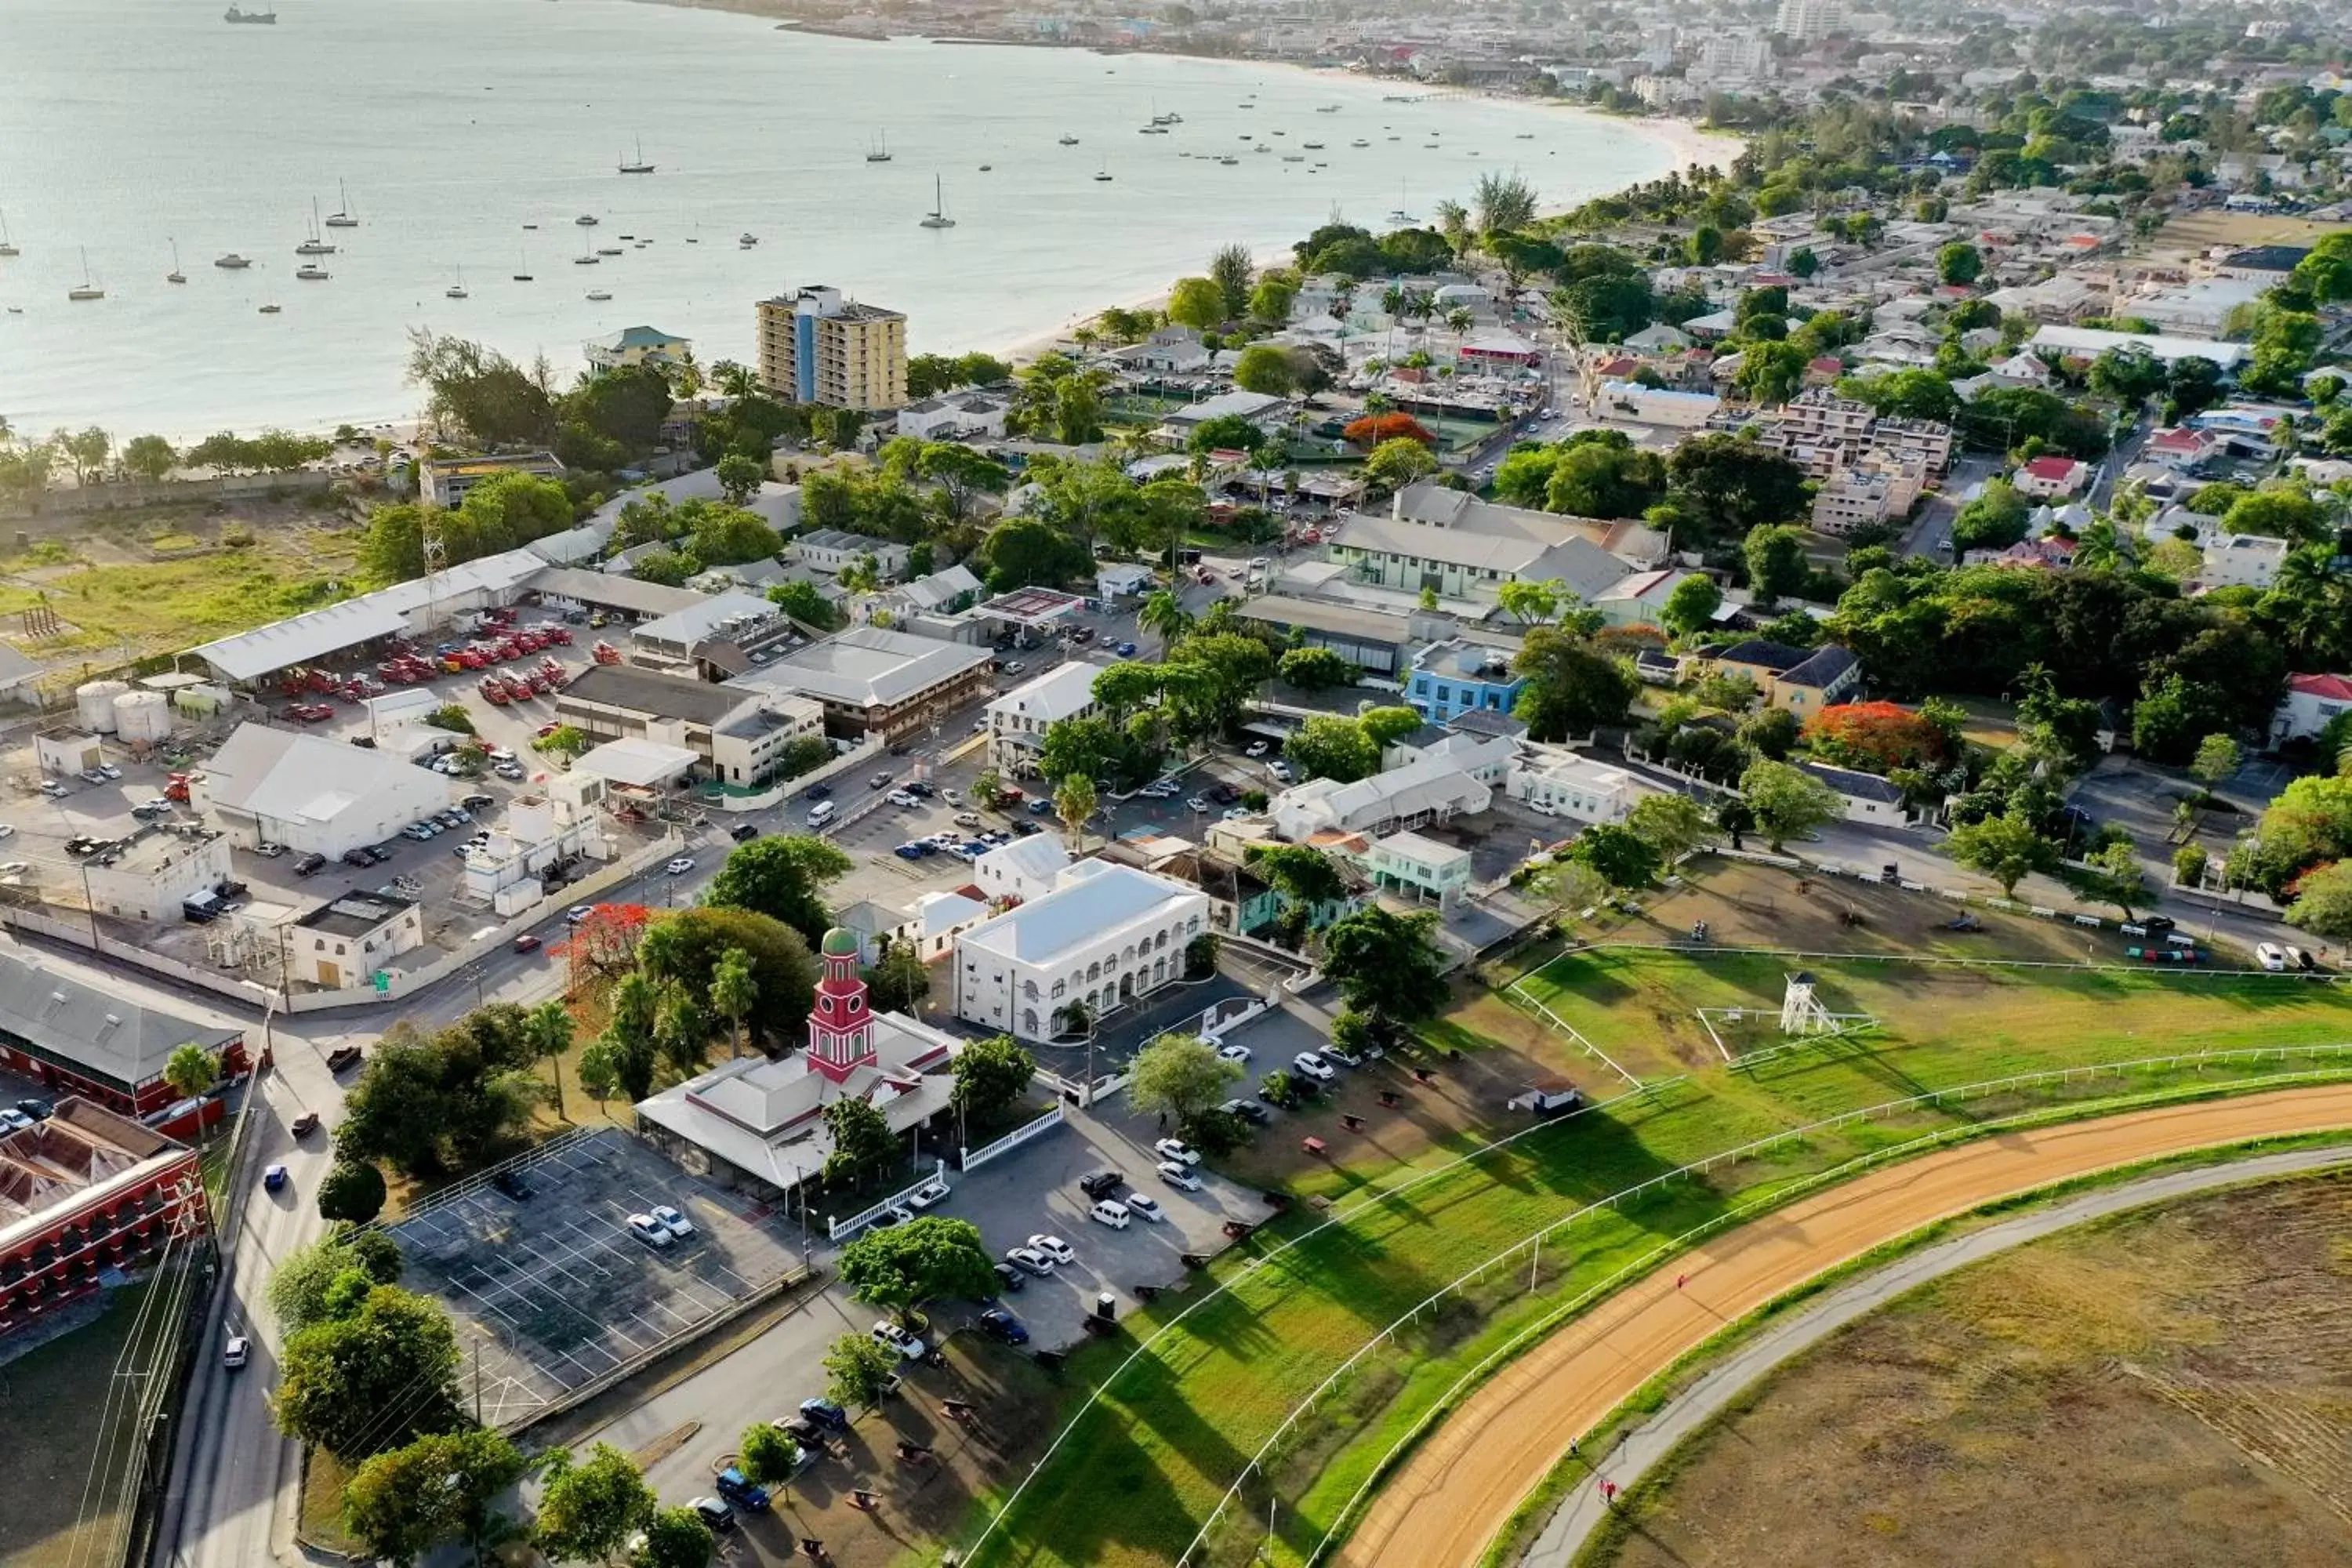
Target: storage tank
{"points": [[94, 705], [142, 718]]}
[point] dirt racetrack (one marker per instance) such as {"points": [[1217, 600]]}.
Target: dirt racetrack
{"points": [[1456, 1490]]}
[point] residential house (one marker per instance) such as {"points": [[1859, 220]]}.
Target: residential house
{"points": [[1803, 680], [2049, 478], [956, 417], [831, 550], [633, 346], [2312, 702], [2242, 561], [1866, 797], [1022, 870], [1420, 867]]}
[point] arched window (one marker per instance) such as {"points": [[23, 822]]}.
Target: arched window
{"points": [[1029, 990], [1060, 988], [1029, 1020], [1192, 926], [1094, 972]]}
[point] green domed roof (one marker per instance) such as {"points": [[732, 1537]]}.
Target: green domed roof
{"points": [[841, 942]]}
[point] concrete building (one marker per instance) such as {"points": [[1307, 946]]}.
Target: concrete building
{"points": [[563, 825], [2311, 704], [832, 549], [445, 482], [1557, 782], [633, 346], [742, 735], [1822, 431], [1378, 641], [2242, 561], [873, 681], [1105, 936], [349, 941], [2090, 343], [309, 793], [87, 1197], [956, 417], [145, 877], [1878, 487], [2052, 477], [71, 1037], [1660, 405], [1017, 721], [760, 1125], [817, 346], [1459, 675], [723, 635], [1471, 560], [1866, 796], [1803, 680], [1420, 869], [1810, 21], [1434, 789]]}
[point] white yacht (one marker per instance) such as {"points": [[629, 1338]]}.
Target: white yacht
{"points": [[341, 217], [457, 290], [87, 289], [311, 272], [233, 262], [938, 216]]}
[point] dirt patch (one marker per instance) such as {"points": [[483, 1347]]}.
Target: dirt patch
{"points": [[2168, 1388]]}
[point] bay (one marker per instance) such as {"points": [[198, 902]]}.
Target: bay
{"points": [[128, 124]]}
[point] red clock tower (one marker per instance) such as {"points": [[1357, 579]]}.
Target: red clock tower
{"points": [[841, 1027]]}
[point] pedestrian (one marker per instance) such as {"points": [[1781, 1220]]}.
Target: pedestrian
{"points": [[1163, 1121], [1681, 1280], [1609, 1494], [1571, 1448]]}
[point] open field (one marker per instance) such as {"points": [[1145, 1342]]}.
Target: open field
{"points": [[136, 584], [2164, 1388], [1937, 1023], [2190, 233], [52, 1410], [1141, 1471]]}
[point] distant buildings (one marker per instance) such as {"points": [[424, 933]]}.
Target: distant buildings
{"points": [[634, 346], [86, 1196], [1809, 21], [1017, 721], [817, 347]]}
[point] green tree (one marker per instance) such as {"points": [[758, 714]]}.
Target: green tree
{"points": [[148, 457], [1398, 462], [631, 1034], [1960, 262], [1572, 685], [550, 1031], [1386, 964], [401, 1504], [863, 1143], [1777, 567], [769, 1457], [2118, 877], [1727, 485], [1233, 272], [930, 1258], [1771, 372], [1265, 368], [301, 1286], [2218, 758], [1672, 825], [900, 979], [2008, 848], [1196, 303], [1181, 1075], [1313, 669], [991, 1078], [1074, 802], [739, 477], [1270, 301], [352, 1190], [1532, 604], [676, 1538], [190, 1070], [1623, 858], [589, 1507], [1787, 803], [372, 1380], [2323, 902], [734, 991], [859, 1371], [1329, 747], [782, 878], [1163, 615], [1996, 519], [682, 1029], [1690, 605]]}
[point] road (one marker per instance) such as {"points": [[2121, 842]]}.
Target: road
{"points": [[1463, 1482], [1583, 1510]]}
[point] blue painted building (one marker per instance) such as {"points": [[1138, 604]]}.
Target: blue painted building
{"points": [[1459, 676]]}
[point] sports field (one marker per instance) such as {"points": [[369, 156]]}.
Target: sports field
{"points": [[1145, 1466]]}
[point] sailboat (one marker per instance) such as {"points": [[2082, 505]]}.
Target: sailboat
{"points": [[315, 245], [522, 273], [880, 151], [6, 248], [341, 217], [638, 165], [938, 216], [1102, 175], [457, 290], [1067, 140], [176, 274], [89, 291]]}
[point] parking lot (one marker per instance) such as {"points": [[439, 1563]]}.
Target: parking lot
{"points": [[556, 1291]]}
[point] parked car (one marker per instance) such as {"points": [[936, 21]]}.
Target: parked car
{"points": [[930, 1193], [1314, 1067], [1145, 1205], [968, 819], [13, 1120], [713, 1512], [2270, 956], [1029, 1260], [1176, 1149], [1002, 1327], [1054, 1248], [529, 941], [1256, 749], [902, 799], [879, 781], [1109, 1212], [649, 1230], [899, 1340], [269, 849], [310, 864], [744, 832], [828, 1413], [670, 1220], [1234, 1051], [38, 1110], [916, 851], [1247, 1110], [1340, 1054], [1041, 806], [741, 1490], [2301, 960], [1177, 1175], [1009, 1280], [1101, 1183], [344, 1058]]}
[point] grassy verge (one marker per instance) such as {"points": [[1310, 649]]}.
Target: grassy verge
{"points": [[1528, 1518], [59, 1391], [1143, 1466], [320, 1523]]}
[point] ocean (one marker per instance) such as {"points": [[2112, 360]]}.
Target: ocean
{"points": [[455, 126]]}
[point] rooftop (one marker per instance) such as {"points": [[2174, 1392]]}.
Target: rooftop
{"points": [[609, 589], [1062, 692], [1335, 620], [1857, 785], [356, 914], [291, 777], [650, 691], [319, 634], [79, 1149], [866, 667], [57, 1013], [1098, 899], [734, 615], [635, 762]]}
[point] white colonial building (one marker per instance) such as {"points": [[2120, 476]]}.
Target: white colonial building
{"points": [[1017, 721], [1105, 935], [1558, 781]]}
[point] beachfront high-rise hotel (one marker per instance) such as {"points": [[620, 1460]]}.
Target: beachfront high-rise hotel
{"points": [[817, 347]]}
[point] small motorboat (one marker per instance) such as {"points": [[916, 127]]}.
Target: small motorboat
{"points": [[270, 310], [600, 294], [586, 220]]}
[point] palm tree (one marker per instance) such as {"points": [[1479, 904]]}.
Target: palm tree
{"points": [[1393, 303], [1459, 319], [660, 951], [734, 991], [1453, 223], [1165, 613], [1073, 802], [681, 1029], [549, 1028], [190, 1070], [686, 374], [737, 380]]}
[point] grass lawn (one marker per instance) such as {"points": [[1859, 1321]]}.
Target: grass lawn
{"points": [[146, 605], [52, 1409], [1143, 1468]]}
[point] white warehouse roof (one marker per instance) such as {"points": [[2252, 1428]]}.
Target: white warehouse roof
{"points": [[291, 777], [321, 634]]}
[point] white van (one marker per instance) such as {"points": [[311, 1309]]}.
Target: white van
{"points": [[819, 814]]}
